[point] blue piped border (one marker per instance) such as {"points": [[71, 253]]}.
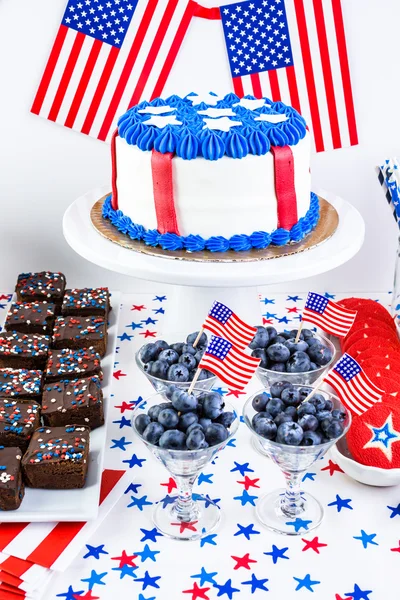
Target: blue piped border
{"points": [[195, 243]]}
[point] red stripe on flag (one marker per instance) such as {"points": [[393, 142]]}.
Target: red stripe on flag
{"points": [[175, 46], [327, 72], [126, 71], [99, 93], [212, 14], [345, 70], [238, 86], [8, 531], [114, 189], [274, 83], [10, 579], [256, 83], [284, 186], [15, 566], [309, 75], [49, 70], [66, 76], [5, 588], [83, 83], [293, 89], [163, 188]]}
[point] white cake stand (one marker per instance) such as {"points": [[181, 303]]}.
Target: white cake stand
{"points": [[198, 284]]}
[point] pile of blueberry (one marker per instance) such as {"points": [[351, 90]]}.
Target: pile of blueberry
{"points": [[285, 418], [176, 362], [279, 352], [186, 421]]}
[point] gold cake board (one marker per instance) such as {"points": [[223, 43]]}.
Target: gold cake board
{"points": [[326, 227]]}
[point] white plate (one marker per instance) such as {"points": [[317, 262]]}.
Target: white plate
{"points": [[82, 504]]}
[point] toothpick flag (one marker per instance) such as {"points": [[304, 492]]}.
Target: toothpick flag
{"points": [[230, 364], [353, 386], [329, 316], [223, 322]]}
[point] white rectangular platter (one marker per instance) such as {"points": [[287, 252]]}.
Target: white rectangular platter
{"points": [[82, 504]]}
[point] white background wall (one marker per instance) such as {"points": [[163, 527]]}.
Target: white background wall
{"points": [[44, 167]]}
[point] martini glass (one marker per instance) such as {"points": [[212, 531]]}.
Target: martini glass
{"points": [[186, 516], [291, 511]]}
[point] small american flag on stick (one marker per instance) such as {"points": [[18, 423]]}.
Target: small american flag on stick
{"points": [[223, 322], [353, 386], [230, 364], [328, 315]]}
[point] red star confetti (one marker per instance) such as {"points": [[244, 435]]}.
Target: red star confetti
{"points": [[6, 297], [267, 321], [197, 592], [396, 549], [248, 483], [337, 597], [138, 307], [125, 406], [118, 374], [125, 559], [243, 561], [148, 333], [171, 485], [332, 467], [313, 544], [235, 393], [183, 525], [292, 310], [87, 596]]}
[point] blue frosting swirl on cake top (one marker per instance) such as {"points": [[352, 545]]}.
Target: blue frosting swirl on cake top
{"points": [[211, 126]]}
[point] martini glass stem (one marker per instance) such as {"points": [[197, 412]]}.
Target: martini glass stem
{"points": [[292, 503], [185, 508]]}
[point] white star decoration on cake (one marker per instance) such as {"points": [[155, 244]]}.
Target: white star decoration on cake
{"points": [[162, 121], [206, 97], [252, 104], [272, 118], [217, 112], [222, 124], [156, 110], [383, 437]]}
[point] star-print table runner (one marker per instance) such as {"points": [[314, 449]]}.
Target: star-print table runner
{"points": [[355, 553]]}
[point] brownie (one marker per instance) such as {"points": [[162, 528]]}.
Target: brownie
{"points": [[57, 458], [31, 317], [18, 421], [67, 363], [21, 384], [12, 487], [45, 285], [88, 301], [78, 401], [81, 332], [23, 350]]}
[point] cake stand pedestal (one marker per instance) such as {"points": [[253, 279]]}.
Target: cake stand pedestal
{"points": [[195, 285]]}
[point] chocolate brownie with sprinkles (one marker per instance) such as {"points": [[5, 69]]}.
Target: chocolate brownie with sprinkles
{"points": [[23, 350], [44, 285], [78, 401], [57, 457], [67, 363], [18, 421], [87, 301], [31, 317], [12, 487], [21, 384], [81, 332]]}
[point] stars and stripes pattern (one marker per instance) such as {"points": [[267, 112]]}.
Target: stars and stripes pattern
{"points": [[295, 51], [223, 322], [231, 365], [328, 315], [353, 386]]}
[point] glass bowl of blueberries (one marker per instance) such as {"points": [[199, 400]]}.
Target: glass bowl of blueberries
{"points": [[301, 363], [175, 364], [296, 425], [184, 433]]}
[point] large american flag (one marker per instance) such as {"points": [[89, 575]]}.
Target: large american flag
{"points": [[230, 364], [328, 315], [295, 51], [223, 322], [353, 386]]}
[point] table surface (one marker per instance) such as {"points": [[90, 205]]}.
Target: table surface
{"points": [[354, 553]]}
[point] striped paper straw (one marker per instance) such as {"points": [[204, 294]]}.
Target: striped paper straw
{"points": [[389, 178]]}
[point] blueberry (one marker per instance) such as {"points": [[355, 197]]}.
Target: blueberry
{"points": [[213, 405], [319, 402], [285, 334], [325, 423], [280, 339], [154, 411], [293, 334], [198, 356], [308, 422], [153, 432], [184, 402], [292, 411], [173, 439], [306, 408], [278, 353], [188, 360], [304, 392], [178, 347], [189, 348], [191, 338], [266, 428], [170, 389], [290, 434], [178, 372], [338, 414], [291, 397], [328, 404], [320, 355], [194, 439], [334, 429], [186, 420], [260, 340], [147, 366], [313, 366], [293, 347], [282, 417], [204, 422], [307, 334], [274, 407], [323, 414], [260, 353], [148, 352], [277, 388], [204, 374], [159, 369], [216, 434], [226, 419], [161, 345], [299, 362], [192, 427], [314, 342], [278, 367], [259, 402], [272, 333], [141, 422], [311, 438], [170, 356], [207, 373], [168, 418]]}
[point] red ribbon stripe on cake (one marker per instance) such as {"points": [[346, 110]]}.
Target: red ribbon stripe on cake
{"points": [[163, 188], [284, 186]]}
